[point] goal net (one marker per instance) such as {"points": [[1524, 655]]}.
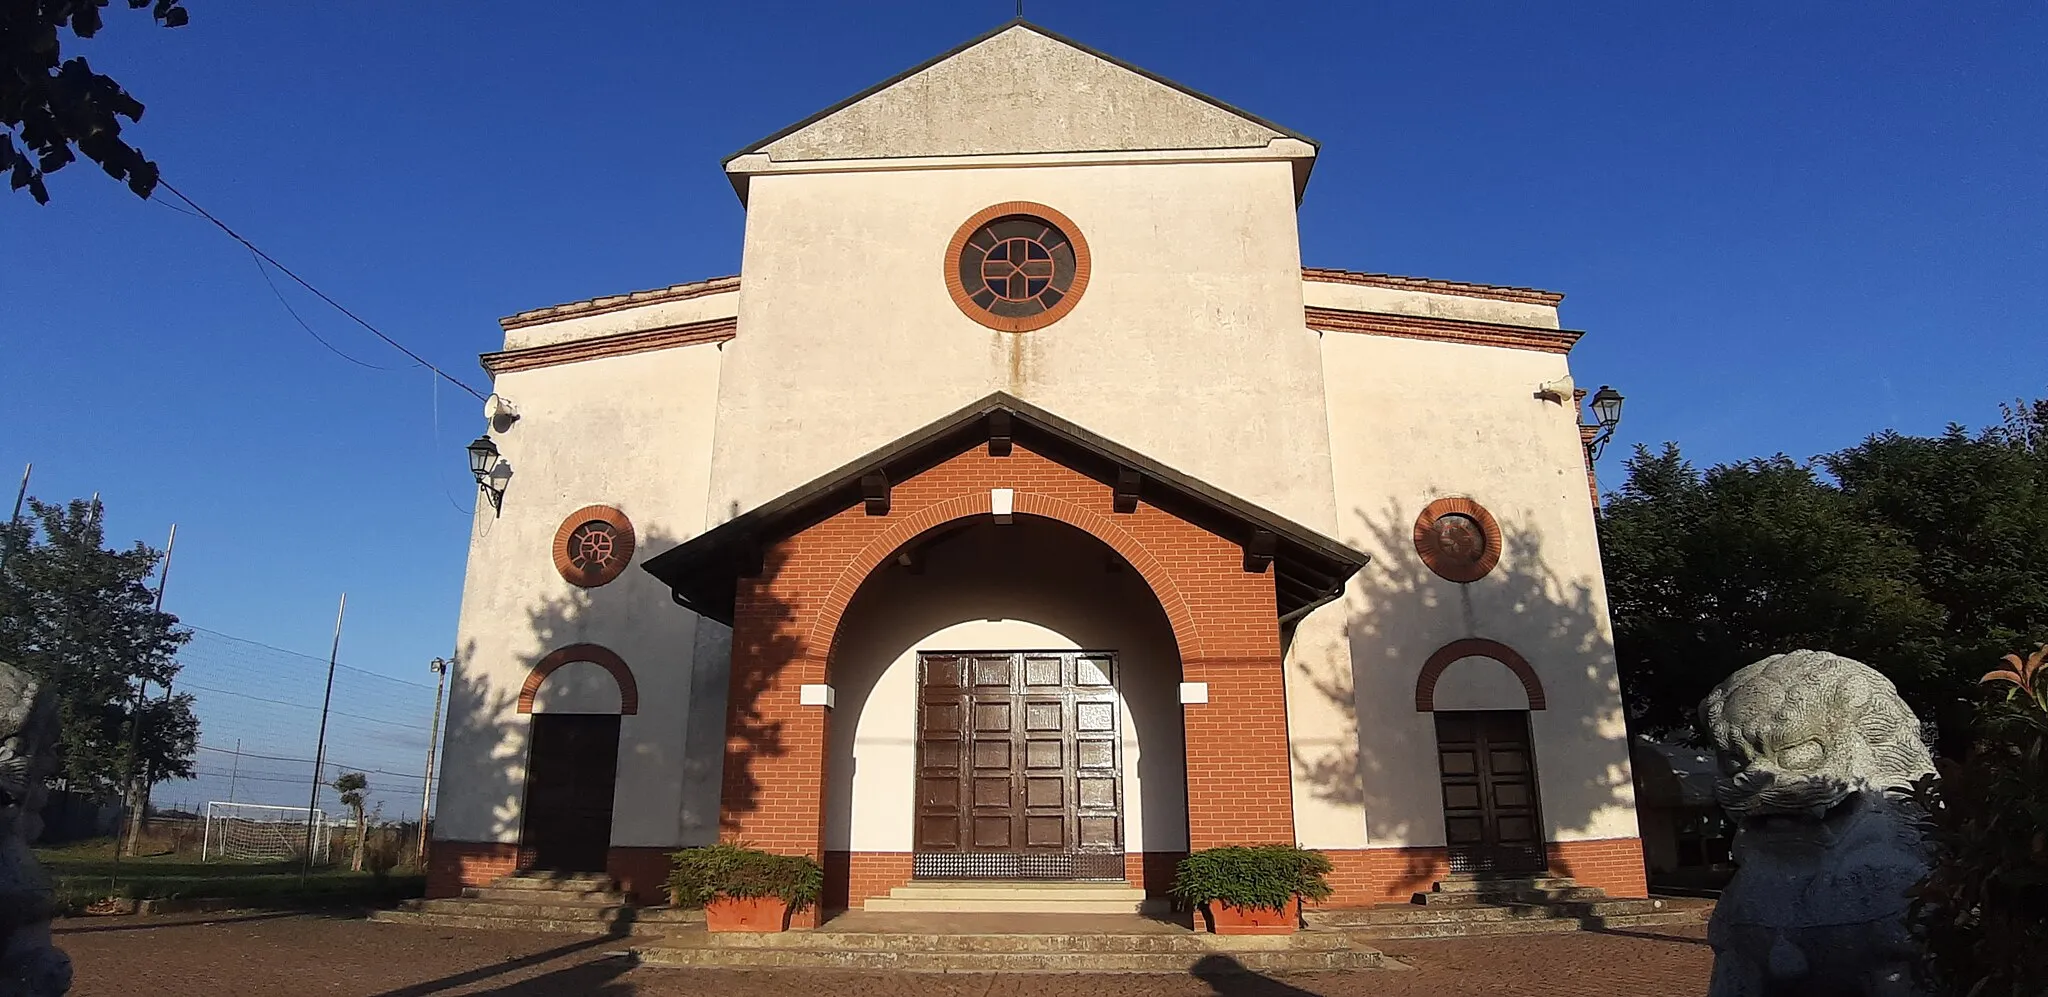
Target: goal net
{"points": [[247, 832]]}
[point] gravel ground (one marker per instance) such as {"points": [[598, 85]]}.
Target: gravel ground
{"points": [[252, 955]]}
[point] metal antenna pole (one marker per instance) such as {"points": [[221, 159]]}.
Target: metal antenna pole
{"points": [[440, 667], [235, 772], [320, 750], [19, 497], [138, 793]]}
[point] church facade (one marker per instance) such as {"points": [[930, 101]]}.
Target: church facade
{"points": [[1025, 509]]}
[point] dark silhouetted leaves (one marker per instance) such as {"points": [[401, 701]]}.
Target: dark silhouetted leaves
{"points": [[55, 105]]}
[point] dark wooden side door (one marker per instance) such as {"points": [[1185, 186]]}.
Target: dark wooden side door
{"points": [[1019, 771], [1491, 821], [571, 768]]}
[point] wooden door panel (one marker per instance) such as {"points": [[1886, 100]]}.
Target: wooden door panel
{"points": [[572, 776], [1041, 772], [1491, 818]]}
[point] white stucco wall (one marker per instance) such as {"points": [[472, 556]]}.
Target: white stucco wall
{"points": [[1031, 585], [1412, 421], [632, 432], [1188, 343]]}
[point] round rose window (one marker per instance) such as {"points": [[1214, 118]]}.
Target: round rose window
{"points": [[1458, 539], [593, 546], [1017, 266]]}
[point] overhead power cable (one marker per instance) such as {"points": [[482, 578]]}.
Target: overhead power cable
{"points": [[322, 295]]}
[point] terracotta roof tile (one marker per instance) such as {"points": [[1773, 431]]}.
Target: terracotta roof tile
{"points": [[1497, 292], [611, 303]]}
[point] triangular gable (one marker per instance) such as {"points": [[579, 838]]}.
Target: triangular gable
{"points": [[1309, 568], [1019, 89]]}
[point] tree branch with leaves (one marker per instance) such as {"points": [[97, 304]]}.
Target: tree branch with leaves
{"points": [[60, 107]]}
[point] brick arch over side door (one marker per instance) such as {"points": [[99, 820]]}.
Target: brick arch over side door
{"points": [[1475, 647], [1186, 635], [603, 657]]}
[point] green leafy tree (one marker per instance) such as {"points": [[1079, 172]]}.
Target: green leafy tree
{"points": [[1975, 509], [82, 618], [1913, 554], [58, 107], [354, 788], [1708, 571]]}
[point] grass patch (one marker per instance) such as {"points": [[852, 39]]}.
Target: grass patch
{"points": [[87, 872]]}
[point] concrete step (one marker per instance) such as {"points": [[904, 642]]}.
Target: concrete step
{"points": [[1004, 890], [649, 921], [1000, 897], [527, 895], [1496, 884], [527, 911], [1421, 913], [1011, 953], [1405, 922], [1508, 896], [1465, 929], [556, 881]]}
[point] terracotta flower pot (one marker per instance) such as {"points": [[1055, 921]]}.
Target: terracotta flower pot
{"points": [[746, 914], [1230, 919]]}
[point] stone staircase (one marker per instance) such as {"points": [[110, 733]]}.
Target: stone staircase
{"points": [[1461, 906], [1018, 943], [573, 903], [1013, 897]]}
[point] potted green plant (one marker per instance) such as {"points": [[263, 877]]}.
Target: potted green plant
{"points": [[741, 888], [1252, 889]]}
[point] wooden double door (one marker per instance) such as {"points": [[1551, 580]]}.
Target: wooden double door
{"points": [[572, 766], [1019, 768], [1491, 819]]}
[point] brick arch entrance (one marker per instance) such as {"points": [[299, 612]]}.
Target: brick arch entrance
{"points": [[1219, 597], [1187, 635]]}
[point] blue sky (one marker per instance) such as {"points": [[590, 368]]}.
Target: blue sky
{"points": [[1783, 225]]}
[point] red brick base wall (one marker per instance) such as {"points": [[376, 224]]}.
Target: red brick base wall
{"points": [[1367, 876], [452, 865], [1613, 864]]}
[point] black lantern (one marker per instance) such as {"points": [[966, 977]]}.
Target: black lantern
{"points": [[483, 459], [1607, 413]]}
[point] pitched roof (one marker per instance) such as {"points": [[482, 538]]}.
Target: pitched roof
{"points": [[1309, 568], [1018, 88]]}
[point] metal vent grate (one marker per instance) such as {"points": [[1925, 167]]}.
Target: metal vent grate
{"points": [[1104, 866]]}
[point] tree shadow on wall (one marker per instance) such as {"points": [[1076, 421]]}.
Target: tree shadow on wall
{"points": [[1398, 613], [485, 751]]}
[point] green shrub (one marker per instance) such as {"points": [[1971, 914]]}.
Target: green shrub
{"points": [[1981, 915], [1269, 876], [702, 875]]}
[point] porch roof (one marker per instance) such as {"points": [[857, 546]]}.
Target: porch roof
{"points": [[1309, 569]]}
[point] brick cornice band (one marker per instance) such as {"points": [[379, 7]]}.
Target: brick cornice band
{"points": [[716, 330], [1475, 647], [629, 691], [1441, 330]]}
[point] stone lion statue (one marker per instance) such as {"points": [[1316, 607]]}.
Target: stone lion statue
{"points": [[29, 965], [1814, 752]]}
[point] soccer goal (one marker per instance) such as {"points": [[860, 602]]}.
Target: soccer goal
{"points": [[247, 832]]}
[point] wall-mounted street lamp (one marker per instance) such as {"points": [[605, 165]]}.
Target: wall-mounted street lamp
{"points": [[485, 466], [1607, 414]]}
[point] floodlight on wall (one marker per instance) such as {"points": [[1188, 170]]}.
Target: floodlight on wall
{"points": [[1607, 415], [491, 473]]}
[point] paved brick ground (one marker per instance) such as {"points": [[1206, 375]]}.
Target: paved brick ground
{"points": [[254, 955]]}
